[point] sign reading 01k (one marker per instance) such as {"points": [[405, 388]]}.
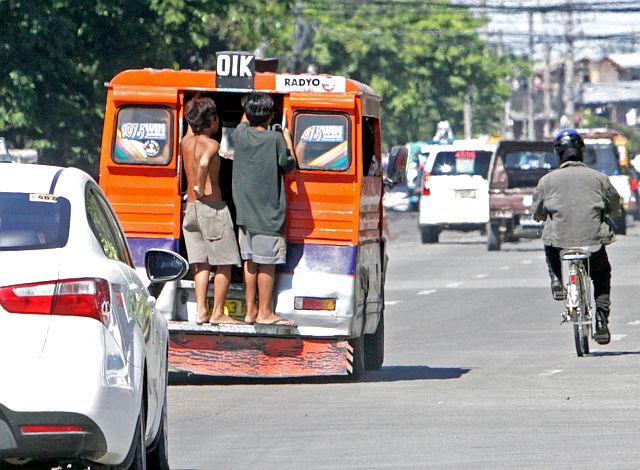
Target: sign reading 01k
{"points": [[235, 70]]}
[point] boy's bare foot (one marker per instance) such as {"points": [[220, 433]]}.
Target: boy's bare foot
{"points": [[202, 319], [250, 318], [224, 320], [274, 319]]}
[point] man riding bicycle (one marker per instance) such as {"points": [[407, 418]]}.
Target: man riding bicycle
{"points": [[577, 203]]}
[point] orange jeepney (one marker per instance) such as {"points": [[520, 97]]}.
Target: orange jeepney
{"points": [[332, 284]]}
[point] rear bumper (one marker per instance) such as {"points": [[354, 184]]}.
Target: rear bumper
{"points": [[87, 443]]}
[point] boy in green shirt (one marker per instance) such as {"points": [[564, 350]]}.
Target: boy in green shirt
{"points": [[261, 157]]}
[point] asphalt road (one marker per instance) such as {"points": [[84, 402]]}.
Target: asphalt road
{"points": [[478, 373]]}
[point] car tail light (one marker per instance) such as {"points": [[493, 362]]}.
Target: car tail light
{"points": [[48, 428], [633, 183], [74, 297], [426, 186], [314, 303]]}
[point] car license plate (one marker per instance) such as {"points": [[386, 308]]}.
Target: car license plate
{"points": [[527, 219], [232, 307], [466, 193]]}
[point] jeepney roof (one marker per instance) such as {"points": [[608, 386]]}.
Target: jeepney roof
{"points": [[205, 80]]}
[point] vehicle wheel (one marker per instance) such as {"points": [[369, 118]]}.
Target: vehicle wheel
{"points": [[374, 347], [158, 457], [581, 335], [139, 461], [483, 230], [429, 233], [493, 238], [621, 223]]}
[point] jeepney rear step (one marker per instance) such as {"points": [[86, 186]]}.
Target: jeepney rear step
{"points": [[254, 351]]}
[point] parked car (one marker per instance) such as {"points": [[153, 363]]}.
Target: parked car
{"points": [[455, 188], [601, 154], [513, 176], [83, 352]]}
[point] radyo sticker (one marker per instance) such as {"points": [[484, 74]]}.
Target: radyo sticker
{"points": [[313, 83]]}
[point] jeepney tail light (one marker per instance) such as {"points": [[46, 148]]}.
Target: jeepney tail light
{"points": [[572, 278], [74, 297], [426, 186], [314, 303], [633, 183]]}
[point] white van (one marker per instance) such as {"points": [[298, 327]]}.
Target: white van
{"points": [[455, 188]]}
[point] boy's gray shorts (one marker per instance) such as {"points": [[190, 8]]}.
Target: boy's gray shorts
{"points": [[262, 249], [208, 234]]}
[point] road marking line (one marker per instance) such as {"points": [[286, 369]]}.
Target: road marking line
{"points": [[481, 276], [392, 302], [550, 372], [426, 292], [527, 261], [454, 284], [504, 268], [617, 337], [634, 322]]}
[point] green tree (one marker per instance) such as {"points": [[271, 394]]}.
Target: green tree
{"points": [[422, 58], [56, 55]]}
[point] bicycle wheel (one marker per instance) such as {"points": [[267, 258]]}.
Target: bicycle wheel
{"points": [[580, 333], [581, 320]]}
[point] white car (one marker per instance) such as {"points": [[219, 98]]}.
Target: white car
{"points": [[83, 352], [601, 154], [455, 188]]}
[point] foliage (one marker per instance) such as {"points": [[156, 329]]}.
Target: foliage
{"points": [[56, 56], [423, 60]]}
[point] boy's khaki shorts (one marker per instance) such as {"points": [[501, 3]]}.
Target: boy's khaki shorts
{"points": [[262, 249], [208, 234]]}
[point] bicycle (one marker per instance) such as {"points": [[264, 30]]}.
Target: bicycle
{"points": [[577, 301]]}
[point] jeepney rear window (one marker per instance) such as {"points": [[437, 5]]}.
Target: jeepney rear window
{"points": [[322, 141], [143, 136]]}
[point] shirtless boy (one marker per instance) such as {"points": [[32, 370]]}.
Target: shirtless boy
{"points": [[207, 225]]}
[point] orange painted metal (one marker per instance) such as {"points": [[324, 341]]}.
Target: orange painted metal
{"points": [[205, 80], [322, 208], [258, 356]]}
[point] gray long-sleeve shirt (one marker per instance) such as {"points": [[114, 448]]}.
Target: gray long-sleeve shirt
{"points": [[260, 158], [576, 202]]}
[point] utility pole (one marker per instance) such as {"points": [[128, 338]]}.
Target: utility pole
{"points": [[298, 38], [531, 129], [468, 116], [546, 90], [569, 79]]}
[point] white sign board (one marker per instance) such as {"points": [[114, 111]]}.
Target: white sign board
{"points": [[313, 83]]}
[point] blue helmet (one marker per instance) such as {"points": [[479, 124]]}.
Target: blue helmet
{"points": [[567, 139]]}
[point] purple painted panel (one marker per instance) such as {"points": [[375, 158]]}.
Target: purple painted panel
{"points": [[139, 246], [331, 259]]}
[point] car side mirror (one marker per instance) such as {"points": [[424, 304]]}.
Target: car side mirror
{"points": [[164, 265], [396, 165]]}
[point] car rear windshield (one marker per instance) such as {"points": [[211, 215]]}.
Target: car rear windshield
{"points": [[524, 168], [602, 157], [30, 221], [462, 162]]}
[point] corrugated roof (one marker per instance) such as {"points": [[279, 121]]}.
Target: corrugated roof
{"points": [[611, 92], [630, 60]]}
